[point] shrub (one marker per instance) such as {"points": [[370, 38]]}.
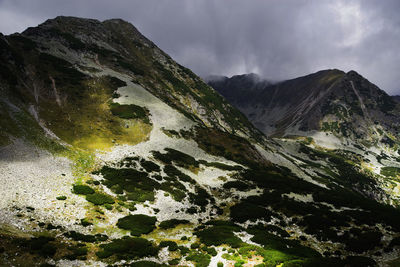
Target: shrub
{"points": [[247, 211], [390, 171], [172, 223], [129, 111], [100, 199], [127, 248], [80, 237], [85, 222], [83, 189], [201, 260], [138, 224], [141, 195], [219, 234], [174, 261], [150, 166], [172, 246], [42, 246]]}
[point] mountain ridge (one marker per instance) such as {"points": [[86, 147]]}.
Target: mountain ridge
{"points": [[293, 99]]}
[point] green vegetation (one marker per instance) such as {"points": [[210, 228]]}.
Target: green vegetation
{"points": [[221, 166], [83, 189], [248, 211], [138, 224], [61, 198], [172, 223], [229, 146], [72, 41], [146, 264], [390, 171], [171, 133], [127, 248], [140, 195], [42, 245], [220, 233], [139, 187], [179, 158], [131, 67], [238, 185], [150, 166], [199, 259], [86, 238], [85, 120], [85, 222], [172, 246], [200, 198], [174, 261], [100, 199], [130, 112], [77, 252]]}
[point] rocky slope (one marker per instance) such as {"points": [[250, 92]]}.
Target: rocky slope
{"points": [[112, 154]]}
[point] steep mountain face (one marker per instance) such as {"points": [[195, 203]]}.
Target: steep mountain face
{"points": [[113, 154], [117, 45], [345, 104]]}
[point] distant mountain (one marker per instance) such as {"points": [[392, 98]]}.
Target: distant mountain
{"points": [[238, 89], [396, 97], [345, 104]]}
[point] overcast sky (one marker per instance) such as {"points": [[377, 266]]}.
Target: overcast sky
{"points": [[278, 39]]}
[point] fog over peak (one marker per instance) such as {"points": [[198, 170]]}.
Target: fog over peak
{"points": [[276, 39]]}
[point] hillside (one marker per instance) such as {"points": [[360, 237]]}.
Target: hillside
{"points": [[112, 154]]}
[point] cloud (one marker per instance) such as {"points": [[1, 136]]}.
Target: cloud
{"points": [[279, 39]]}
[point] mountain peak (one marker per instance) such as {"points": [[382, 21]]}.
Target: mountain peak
{"points": [[353, 74], [64, 21]]}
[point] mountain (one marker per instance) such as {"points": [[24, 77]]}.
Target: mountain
{"points": [[112, 154], [396, 97], [238, 88], [344, 104]]}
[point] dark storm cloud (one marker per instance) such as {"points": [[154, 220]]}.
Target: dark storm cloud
{"points": [[278, 39]]}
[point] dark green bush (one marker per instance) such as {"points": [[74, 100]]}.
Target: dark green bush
{"points": [[172, 223], [219, 234], [138, 224], [129, 112], [127, 248], [200, 259], [100, 199], [172, 246], [150, 166], [83, 189]]}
